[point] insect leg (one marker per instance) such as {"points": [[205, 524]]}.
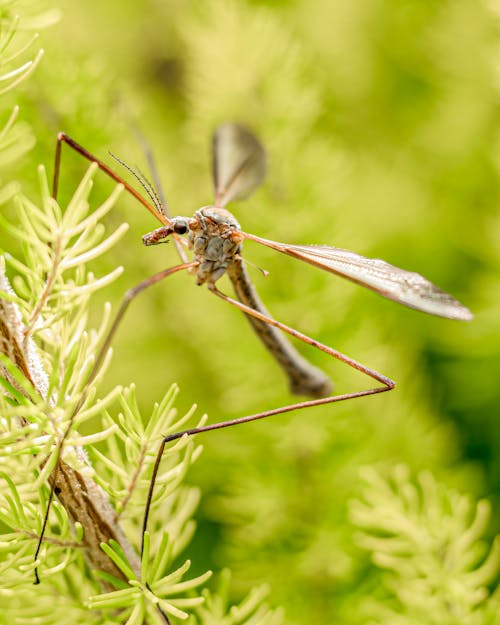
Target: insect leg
{"points": [[386, 385], [64, 138], [303, 377], [129, 296]]}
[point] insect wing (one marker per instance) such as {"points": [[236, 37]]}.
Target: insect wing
{"points": [[405, 287], [239, 163]]}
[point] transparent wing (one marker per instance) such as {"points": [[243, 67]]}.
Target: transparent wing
{"points": [[405, 287], [238, 162]]}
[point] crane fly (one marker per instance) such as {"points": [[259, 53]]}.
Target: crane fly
{"points": [[215, 238]]}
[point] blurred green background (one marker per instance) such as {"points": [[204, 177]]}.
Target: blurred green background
{"points": [[381, 124]]}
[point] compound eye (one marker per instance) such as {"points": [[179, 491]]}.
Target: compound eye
{"points": [[180, 227]]}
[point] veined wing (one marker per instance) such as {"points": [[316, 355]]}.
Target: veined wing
{"points": [[238, 163], [405, 287]]}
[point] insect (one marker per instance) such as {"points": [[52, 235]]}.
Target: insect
{"points": [[215, 238]]}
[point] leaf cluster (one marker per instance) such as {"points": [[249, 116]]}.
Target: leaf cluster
{"points": [[381, 125], [49, 352]]}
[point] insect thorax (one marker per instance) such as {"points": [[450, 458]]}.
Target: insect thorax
{"points": [[214, 236]]}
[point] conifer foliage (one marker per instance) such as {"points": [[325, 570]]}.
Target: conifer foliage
{"points": [[348, 515]]}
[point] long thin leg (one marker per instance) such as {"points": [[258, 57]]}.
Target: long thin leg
{"points": [[63, 138], [129, 296], [387, 385], [303, 378]]}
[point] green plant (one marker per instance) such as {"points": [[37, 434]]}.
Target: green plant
{"points": [[88, 564], [380, 124], [426, 541], [45, 329]]}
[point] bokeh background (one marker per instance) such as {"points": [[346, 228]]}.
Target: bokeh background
{"points": [[381, 123]]}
